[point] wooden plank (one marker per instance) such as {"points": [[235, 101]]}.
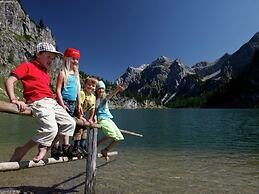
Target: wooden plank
{"points": [[12, 108], [11, 166], [131, 133]]}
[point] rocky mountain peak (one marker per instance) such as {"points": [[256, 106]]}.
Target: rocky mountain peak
{"points": [[131, 69], [255, 38], [162, 60], [178, 66]]}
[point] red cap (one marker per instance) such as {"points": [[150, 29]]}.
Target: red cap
{"points": [[71, 52]]}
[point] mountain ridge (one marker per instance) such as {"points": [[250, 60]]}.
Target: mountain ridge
{"points": [[165, 80]]}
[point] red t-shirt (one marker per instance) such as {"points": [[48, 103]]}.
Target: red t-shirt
{"points": [[35, 81]]}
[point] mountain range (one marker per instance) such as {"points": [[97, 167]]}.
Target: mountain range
{"points": [[171, 83]]}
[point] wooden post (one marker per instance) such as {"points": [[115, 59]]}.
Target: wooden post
{"points": [[90, 178]]}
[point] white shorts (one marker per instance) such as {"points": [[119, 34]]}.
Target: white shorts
{"points": [[52, 119]]}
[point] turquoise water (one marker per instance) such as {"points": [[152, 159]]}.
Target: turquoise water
{"points": [[233, 130], [182, 151]]}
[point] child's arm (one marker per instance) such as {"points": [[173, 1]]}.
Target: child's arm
{"points": [[59, 85], [119, 88], [79, 100], [91, 115], [9, 85]]}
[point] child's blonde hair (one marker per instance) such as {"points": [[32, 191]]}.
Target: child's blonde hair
{"points": [[91, 80], [66, 68]]}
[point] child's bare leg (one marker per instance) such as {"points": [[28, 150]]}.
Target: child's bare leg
{"points": [[104, 152], [42, 152], [56, 139], [66, 140], [19, 152], [103, 140], [112, 144]]}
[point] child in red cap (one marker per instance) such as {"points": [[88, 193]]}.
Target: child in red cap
{"points": [[54, 122], [68, 88]]}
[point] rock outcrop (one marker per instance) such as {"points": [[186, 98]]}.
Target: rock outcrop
{"points": [[19, 35]]}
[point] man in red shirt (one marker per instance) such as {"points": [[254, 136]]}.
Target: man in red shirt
{"points": [[54, 122]]}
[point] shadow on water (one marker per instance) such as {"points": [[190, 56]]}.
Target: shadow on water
{"points": [[53, 189]]}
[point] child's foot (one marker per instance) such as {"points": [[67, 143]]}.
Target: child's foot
{"points": [[104, 152], [56, 152], [42, 152], [76, 152], [66, 149], [17, 155]]}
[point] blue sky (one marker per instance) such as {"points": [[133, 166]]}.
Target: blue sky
{"points": [[115, 34]]}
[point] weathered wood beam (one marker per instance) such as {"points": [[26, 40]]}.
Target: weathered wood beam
{"points": [[11, 166], [12, 108], [131, 133]]}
